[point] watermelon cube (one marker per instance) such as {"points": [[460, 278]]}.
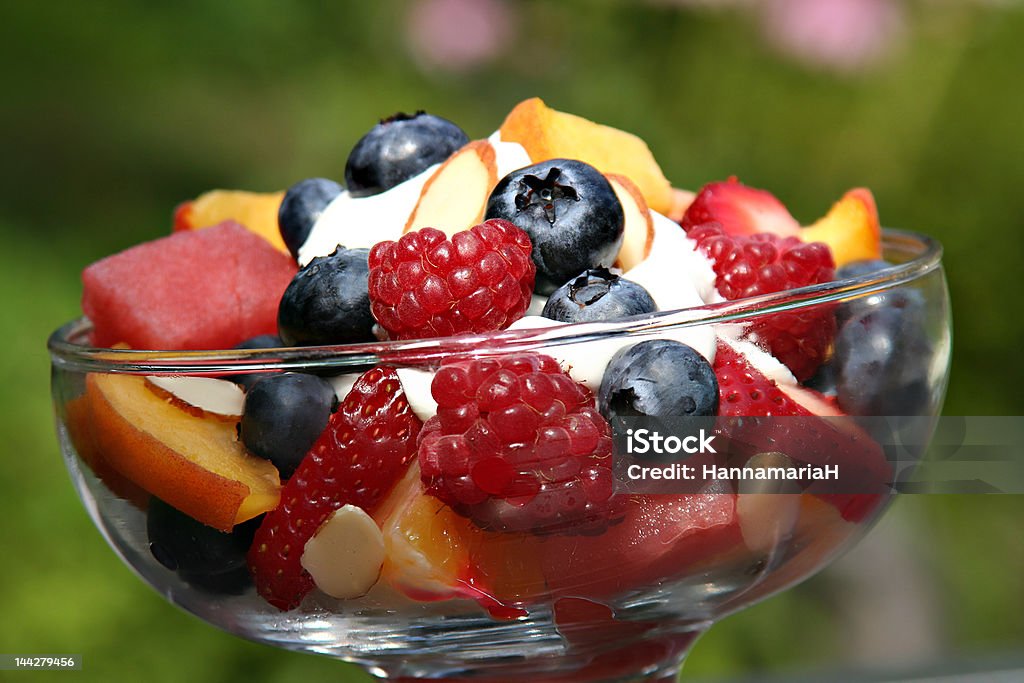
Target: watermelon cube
{"points": [[662, 537], [203, 289]]}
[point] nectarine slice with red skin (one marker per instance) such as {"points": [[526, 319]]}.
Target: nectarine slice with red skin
{"points": [[194, 463]]}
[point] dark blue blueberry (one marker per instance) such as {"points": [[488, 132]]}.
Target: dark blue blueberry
{"points": [[234, 582], [900, 297], [263, 341], [824, 379], [882, 358], [569, 211], [598, 295], [301, 207], [859, 268], [658, 378], [328, 301], [399, 148], [187, 546], [283, 416]]}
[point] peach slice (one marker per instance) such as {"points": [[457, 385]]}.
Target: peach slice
{"points": [[455, 197], [257, 211], [425, 550], [434, 553], [193, 462], [638, 235], [549, 134], [78, 420], [851, 228]]}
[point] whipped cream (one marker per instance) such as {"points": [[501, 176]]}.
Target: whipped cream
{"points": [[361, 222], [416, 384], [675, 273], [764, 362], [586, 361]]}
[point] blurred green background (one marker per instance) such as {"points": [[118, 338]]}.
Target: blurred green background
{"points": [[113, 112]]}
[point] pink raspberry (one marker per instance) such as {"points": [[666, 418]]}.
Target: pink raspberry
{"points": [[425, 285], [518, 445], [748, 265]]}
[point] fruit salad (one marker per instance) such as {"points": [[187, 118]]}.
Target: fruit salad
{"points": [[489, 478]]}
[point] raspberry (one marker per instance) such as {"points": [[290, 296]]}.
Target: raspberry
{"points": [[425, 285], [748, 265], [365, 449], [518, 445]]}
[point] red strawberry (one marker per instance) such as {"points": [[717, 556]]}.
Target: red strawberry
{"points": [[518, 445], [741, 210], [425, 285], [762, 264], [809, 429], [365, 449]]}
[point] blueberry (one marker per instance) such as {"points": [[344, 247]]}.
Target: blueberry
{"points": [[658, 378], [860, 268], [233, 582], [882, 358], [598, 295], [263, 341], [824, 379], [188, 546], [328, 301], [301, 207], [399, 148], [283, 416], [569, 211], [899, 297]]}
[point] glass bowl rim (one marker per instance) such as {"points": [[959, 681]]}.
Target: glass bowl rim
{"points": [[69, 352]]}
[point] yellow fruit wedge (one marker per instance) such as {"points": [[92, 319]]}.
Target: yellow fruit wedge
{"points": [[549, 134], [850, 228], [191, 461], [257, 211]]}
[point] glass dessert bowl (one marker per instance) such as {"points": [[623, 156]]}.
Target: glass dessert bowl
{"points": [[586, 576]]}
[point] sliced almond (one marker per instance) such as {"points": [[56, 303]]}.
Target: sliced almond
{"points": [[455, 197], [345, 555], [209, 395], [639, 226], [767, 508]]}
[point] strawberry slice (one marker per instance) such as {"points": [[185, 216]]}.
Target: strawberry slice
{"points": [[741, 210], [806, 435], [765, 263], [366, 448]]}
